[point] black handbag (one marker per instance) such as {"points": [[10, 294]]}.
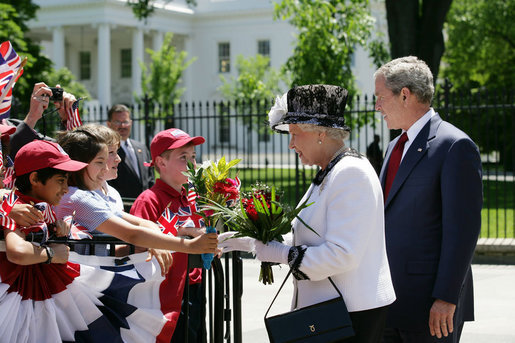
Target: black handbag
{"points": [[325, 322]]}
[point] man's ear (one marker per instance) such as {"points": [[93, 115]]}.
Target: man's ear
{"points": [[405, 92]]}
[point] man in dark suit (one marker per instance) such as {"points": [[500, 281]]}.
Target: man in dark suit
{"points": [[432, 185], [133, 176]]}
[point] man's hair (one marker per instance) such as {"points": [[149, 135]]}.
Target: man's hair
{"points": [[117, 108], [108, 135], [409, 72], [22, 182], [81, 145]]}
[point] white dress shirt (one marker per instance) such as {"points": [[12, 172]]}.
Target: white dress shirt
{"points": [[414, 130]]}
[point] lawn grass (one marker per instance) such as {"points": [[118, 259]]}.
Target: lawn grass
{"points": [[497, 216]]}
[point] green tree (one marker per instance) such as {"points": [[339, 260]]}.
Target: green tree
{"points": [[480, 45], [66, 80], [143, 9], [13, 16], [160, 78], [328, 33], [480, 63], [256, 80], [415, 28], [254, 88]]}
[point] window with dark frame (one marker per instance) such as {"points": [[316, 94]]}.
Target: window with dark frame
{"points": [[264, 47], [126, 63], [224, 57], [85, 65]]}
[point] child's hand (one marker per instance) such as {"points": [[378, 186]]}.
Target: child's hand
{"points": [[25, 215], [61, 253], [190, 231], [203, 244], [62, 229], [163, 257]]}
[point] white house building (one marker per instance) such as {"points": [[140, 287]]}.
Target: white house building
{"points": [[101, 42]]}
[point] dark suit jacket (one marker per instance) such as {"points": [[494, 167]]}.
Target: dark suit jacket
{"points": [[128, 184], [432, 223]]}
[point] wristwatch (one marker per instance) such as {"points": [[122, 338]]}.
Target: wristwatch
{"points": [[49, 253]]}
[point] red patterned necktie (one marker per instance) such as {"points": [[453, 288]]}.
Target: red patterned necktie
{"points": [[393, 164]]}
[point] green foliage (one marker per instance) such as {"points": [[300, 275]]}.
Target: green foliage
{"points": [[13, 16], [66, 80], [479, 58], [254, 89], [328, 33], [481, 41], [143, 9], [160, 78], [256, 80]]}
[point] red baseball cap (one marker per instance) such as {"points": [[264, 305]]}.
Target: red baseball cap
{"points": [[171, 139], [40, 154], [6, 130]]}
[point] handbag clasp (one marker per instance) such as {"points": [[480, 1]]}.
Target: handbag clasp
{"points": [[312, 328]]}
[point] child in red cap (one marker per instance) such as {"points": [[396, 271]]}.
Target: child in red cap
{"points": [[171, 150], [32, 274]]}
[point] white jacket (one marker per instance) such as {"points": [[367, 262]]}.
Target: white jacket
{"points": [[348, 214]]}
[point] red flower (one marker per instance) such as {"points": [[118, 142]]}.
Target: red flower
{"points": [[228, 189]]}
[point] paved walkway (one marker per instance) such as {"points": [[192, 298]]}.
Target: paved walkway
{"points": [[494, 293]]}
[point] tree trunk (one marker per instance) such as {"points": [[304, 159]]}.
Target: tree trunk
{"points": [[417, 31]]}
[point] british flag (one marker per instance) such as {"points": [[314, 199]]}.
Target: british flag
{"points": [[48, 214], [73, 117], [9, 177], [170, 222], [6, 207], [192, 195], [10, 62], [49, 217], [77, 231]]}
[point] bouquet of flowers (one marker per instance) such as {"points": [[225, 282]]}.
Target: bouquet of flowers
{"points": [[261, 216], [212, 185]]}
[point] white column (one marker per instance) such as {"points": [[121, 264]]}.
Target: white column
{"points": [[58, 47], [137, 57], [104, 64], [188, 73], [157, 40]]}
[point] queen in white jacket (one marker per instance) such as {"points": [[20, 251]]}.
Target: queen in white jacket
{"points": [[347, 214]]}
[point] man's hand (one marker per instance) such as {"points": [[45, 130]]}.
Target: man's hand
{"points": [[25, 215], [38, 103], [441, 318], [65, 105], [163, 257]]}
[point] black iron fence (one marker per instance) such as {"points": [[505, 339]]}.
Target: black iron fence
{"points": [[239, 130]]}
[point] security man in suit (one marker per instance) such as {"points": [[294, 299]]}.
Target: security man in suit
{"points": [[133, 176], [432, 185]]}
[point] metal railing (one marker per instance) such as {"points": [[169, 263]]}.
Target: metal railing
{"points": [[216, 288], [239, 130]]}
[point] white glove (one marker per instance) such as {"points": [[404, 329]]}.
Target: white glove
{"points": [[272, 252], [227, 243]]}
